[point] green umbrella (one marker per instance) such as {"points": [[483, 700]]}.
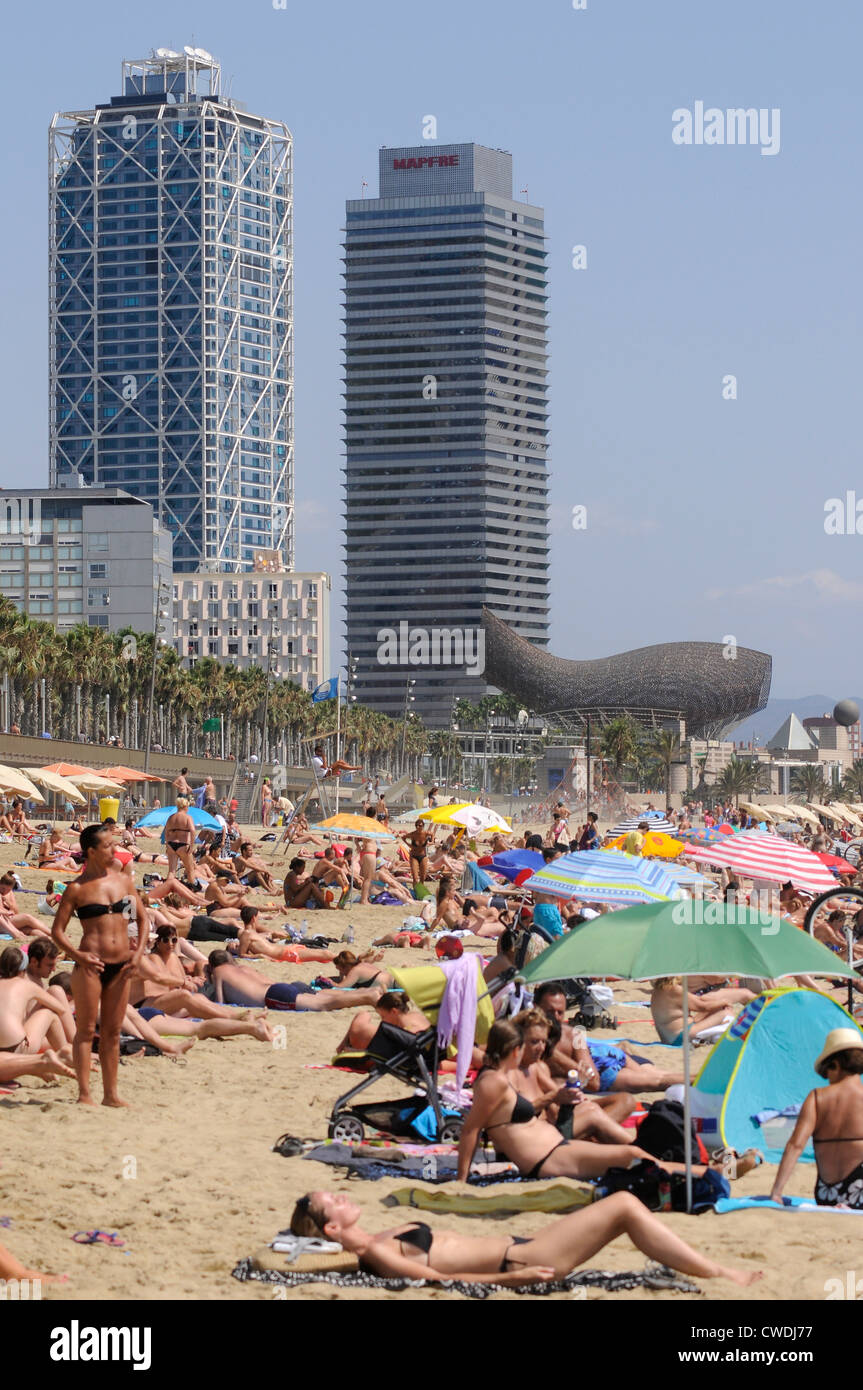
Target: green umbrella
{"points": [[685, 938]]}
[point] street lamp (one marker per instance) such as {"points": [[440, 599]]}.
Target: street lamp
{"points": [[159, 628], [410, 699]]}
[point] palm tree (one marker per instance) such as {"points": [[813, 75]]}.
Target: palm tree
{"points": [[852, 782], [735, 779], [664, 746], [809, 782], [619, 742]]}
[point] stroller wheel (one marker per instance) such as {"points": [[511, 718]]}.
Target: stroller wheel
{"points": [[347, 1129], [451, 1131]]}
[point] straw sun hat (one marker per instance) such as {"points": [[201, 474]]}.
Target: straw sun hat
{"points": [[837, 1041]]}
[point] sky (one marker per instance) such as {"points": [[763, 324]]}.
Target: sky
{"points": [[705, 514]]}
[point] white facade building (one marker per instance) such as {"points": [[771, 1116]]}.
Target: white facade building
{"points": [[232, 618]]}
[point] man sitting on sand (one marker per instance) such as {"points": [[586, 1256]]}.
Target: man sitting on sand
{"points": [[299, 887], [703, 1010], [161, 983], [241, 984], [602, 1066]]}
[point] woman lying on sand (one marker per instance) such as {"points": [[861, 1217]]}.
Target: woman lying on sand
{"points": [[393, 1008], [358, 972], [833, 1119], [413, 1250], [702, 1010]]}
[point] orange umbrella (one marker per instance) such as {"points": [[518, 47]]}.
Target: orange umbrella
{"points": [[68, 769], [656, 845], [129, 774]]}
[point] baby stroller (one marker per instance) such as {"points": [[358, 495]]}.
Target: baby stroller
{"points": [[592, 1001], [414, 1060]]}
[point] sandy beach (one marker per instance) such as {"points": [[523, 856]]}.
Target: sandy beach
{"points": [[188, 1179]]}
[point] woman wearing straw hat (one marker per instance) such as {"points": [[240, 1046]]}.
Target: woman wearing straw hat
{"points": [[833, 1119]]}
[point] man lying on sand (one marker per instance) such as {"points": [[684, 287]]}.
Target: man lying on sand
{"points": [[602, 1066], [241, 984]]}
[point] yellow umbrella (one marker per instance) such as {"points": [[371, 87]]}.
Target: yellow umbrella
{"points": [[55, 783], [11, 780], [656, 845], [477, 820]]}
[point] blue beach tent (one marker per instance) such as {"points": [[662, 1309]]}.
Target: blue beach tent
{"points": [[765, 1063]]}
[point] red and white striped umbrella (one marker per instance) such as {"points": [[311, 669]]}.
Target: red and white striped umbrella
{"points": [[755, 854]]}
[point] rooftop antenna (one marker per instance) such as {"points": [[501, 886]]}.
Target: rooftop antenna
{"points": [[365, 186]]}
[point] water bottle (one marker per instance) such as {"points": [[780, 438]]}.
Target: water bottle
{"points": [[573, 1080], [351, 935], [304, 929], [42, 905]]}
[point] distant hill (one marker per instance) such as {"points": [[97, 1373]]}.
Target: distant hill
{"points": [[765, 724]]}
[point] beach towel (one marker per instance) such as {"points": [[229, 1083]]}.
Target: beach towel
{"points": [[652, 1277], [413, 1166], [457, 1016], [479, 880], [797, 1204], [559, 1198]]}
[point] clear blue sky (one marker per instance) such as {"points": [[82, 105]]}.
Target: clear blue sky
{"points": [[705, 516]]}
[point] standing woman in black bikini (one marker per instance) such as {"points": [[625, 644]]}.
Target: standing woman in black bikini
{"points": [[180, 835], [105, 900]]}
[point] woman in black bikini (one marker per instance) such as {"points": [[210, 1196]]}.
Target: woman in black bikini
{"points": [[105, 901], [416, 1251], [419, 840], [180, 836], [526, 1140], [832, 1118]]}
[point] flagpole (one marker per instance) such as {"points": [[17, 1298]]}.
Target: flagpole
{"points": [[338, 734]]}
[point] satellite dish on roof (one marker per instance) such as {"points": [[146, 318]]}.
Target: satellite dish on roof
{"points": [[189, 52], [204, 56], [166, 53]]}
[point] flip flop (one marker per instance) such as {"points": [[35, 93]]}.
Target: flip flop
{"points": [[97, 1238]]}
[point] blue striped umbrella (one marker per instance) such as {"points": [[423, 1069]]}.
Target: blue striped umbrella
{"points": [[601, 876]]}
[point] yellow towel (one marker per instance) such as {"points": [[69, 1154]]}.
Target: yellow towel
{"points": [[561, 1197]]}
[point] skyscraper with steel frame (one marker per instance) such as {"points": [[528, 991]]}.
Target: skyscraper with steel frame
{"points": [[446, 421], [171, 274]]}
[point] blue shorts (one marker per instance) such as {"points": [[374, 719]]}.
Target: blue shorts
{"points": [[283, 998], [148, 1013], [609, 1062]]}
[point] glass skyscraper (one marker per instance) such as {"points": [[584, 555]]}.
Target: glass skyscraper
{"points": [[446, 421], [171, 274]]}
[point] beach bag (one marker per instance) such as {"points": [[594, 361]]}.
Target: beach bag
{"points": [[661, 1191], [662, 1133]]}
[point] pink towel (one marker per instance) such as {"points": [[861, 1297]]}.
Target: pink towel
{"points": [[457, 1014]]}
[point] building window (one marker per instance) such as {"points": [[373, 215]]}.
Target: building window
{"points": [[233, 610], [213, 611], [213, 591], [273, 591], [97, 620], [213, 648], [254, 610], [313, 591], [192, 593], [253, 591], [98, 598], [98, 571], [97, 543], [233, 649], [233, 591]]}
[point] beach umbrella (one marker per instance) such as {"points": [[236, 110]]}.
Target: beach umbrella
{"points": [[755, 854], [130, 774], [512, 862], [788, 827], [155, 819], [685, 938], [688, 878], [602, 877], [11, 780], [476, 820], [715, 835], [55, 783], [657, 845], [658, 824], [96, 782], [67, 769], [833, 861], [351, 827]]}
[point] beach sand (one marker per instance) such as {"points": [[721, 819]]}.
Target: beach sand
{"points": [[188, 1179]]}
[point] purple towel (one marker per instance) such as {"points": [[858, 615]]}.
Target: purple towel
{"points": [[457, 1014]]}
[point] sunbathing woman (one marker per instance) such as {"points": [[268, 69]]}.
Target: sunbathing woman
{"points": [[13, 923], [561, 1105], [832, 1118], [413, 1250], [54, 853], [532, 1143], [393, 1008], [156, 1028], [105, 901], [374, 874], [29, 1015], [253, 942], [357, 972], [419, 840]]}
